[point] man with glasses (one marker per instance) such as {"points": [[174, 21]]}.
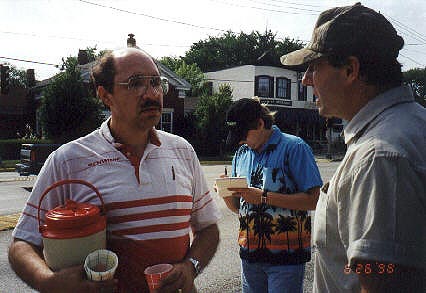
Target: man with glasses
{"points": [[369, 231], [151, 181]]}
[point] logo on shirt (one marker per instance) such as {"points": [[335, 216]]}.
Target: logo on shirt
{"points": [[103, 161]]}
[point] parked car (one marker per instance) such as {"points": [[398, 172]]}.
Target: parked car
{"points": [[32, 157]]}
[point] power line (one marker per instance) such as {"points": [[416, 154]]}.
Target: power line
{"points": [[411, 59], [153, 17], [300, 4], [79, 39], [29, 61], [280, 6], [413, 31], [265, 9], [416, 51]]}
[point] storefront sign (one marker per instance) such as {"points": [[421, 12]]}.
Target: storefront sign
{"points": [[279, 102]]}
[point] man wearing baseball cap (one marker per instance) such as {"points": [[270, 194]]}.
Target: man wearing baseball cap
{"points": [[369, 231], [284, 184]]}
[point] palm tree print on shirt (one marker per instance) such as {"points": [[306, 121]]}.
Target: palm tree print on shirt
{"points": [[285, 224], [262, 224]]}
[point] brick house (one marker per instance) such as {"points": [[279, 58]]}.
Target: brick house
{"points": [[173, 103]]}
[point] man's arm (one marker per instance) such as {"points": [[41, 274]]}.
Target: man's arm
{"points": [[203, 249], [27, 262], [378, 277], [297, 201]]}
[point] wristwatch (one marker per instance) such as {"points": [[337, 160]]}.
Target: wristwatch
{"points": [[197, 266], [264, 197]]}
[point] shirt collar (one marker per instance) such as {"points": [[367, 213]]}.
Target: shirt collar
{"points": [[106, 133], [374, 107], [273, 140]]}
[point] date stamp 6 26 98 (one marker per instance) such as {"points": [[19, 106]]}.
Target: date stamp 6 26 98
{"points": [[370, 268]]}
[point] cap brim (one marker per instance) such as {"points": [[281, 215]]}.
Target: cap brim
{"points": [[300, 58], [233, 138]]}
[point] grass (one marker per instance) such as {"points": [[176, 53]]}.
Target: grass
{"points": [[8, 165], [216, 160]]}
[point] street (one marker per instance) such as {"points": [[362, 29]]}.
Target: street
{"points": [[223, 273]]}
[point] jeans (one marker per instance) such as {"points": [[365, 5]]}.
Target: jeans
{"points": [[267, 278]]}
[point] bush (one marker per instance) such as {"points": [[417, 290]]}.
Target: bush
{"points": [[10, 148]]}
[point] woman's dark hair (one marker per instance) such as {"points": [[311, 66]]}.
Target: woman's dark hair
{"points": [[103, 72]]}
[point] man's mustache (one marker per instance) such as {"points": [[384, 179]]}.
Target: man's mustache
{"points": [[150, 103]]}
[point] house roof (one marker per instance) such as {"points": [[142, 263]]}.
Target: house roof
{"points": [[178, 82]]}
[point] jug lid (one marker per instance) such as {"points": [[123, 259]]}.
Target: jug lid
{"points": [[73, 220]]}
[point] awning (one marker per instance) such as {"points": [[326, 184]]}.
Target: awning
{"points": [[294, 115]]}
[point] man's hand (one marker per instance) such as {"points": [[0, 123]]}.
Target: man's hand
{"points": [[220, 176], [73, 279], [181, 277], [250, 194]]}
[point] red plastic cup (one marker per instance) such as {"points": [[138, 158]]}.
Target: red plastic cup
{"points": [[154, 274]]}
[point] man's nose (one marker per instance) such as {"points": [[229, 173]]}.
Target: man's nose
{"points": [[307, 78]]}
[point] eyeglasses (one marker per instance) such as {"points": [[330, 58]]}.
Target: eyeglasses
{"points": [[140, 83]]}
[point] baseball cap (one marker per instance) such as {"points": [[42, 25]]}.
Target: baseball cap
{"points": [[344, 30], [240, 118]]}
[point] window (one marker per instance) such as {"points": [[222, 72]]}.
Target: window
{"points": [[301, 89], [283, 88], [264, 85], [166, 122]]}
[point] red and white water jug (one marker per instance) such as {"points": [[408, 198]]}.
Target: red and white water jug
{"points": [[72, 231]]}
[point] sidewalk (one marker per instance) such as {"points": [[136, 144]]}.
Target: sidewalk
{"points": [[8, 222]]}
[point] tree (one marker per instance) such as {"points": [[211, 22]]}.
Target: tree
{"points": [[17, 77], [190, 72], [233, 49], [211, 115], [416, 78], [171, 62], [69, 109]]}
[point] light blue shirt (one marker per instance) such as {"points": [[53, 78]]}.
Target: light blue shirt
{"points": [[286, 165]]}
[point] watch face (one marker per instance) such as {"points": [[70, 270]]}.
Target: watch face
{"points": [[197, 265]]}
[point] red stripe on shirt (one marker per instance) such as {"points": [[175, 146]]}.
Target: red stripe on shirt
{"points": [[148, 202], [36, 207], [202, 206], [202, 197], [32, 216], [152, 228], [149, 215]]}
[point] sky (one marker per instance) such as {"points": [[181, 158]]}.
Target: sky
{"points": [[45, 31]]}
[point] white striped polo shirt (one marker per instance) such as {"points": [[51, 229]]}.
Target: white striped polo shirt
{"points": [[148, 221]]}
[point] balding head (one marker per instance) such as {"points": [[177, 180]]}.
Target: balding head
{"points": [[106, 68]]}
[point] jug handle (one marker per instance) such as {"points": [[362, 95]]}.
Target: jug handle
{"points": [[68, 181]]}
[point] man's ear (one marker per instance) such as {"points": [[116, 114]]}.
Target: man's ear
{"points": [[352, 68], [260, 123], [105, 96]]}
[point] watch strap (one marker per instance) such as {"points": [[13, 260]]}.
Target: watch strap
{"points": [[264, 197], [197, 265]]}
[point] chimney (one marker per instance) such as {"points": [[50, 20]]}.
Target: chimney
{"points": [[82, 58], [131, 42], [30, 78], [4, 79]]}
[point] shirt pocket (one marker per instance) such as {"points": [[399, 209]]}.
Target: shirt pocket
{"points": [[319, 234], [178, 180], [273, 179]]}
